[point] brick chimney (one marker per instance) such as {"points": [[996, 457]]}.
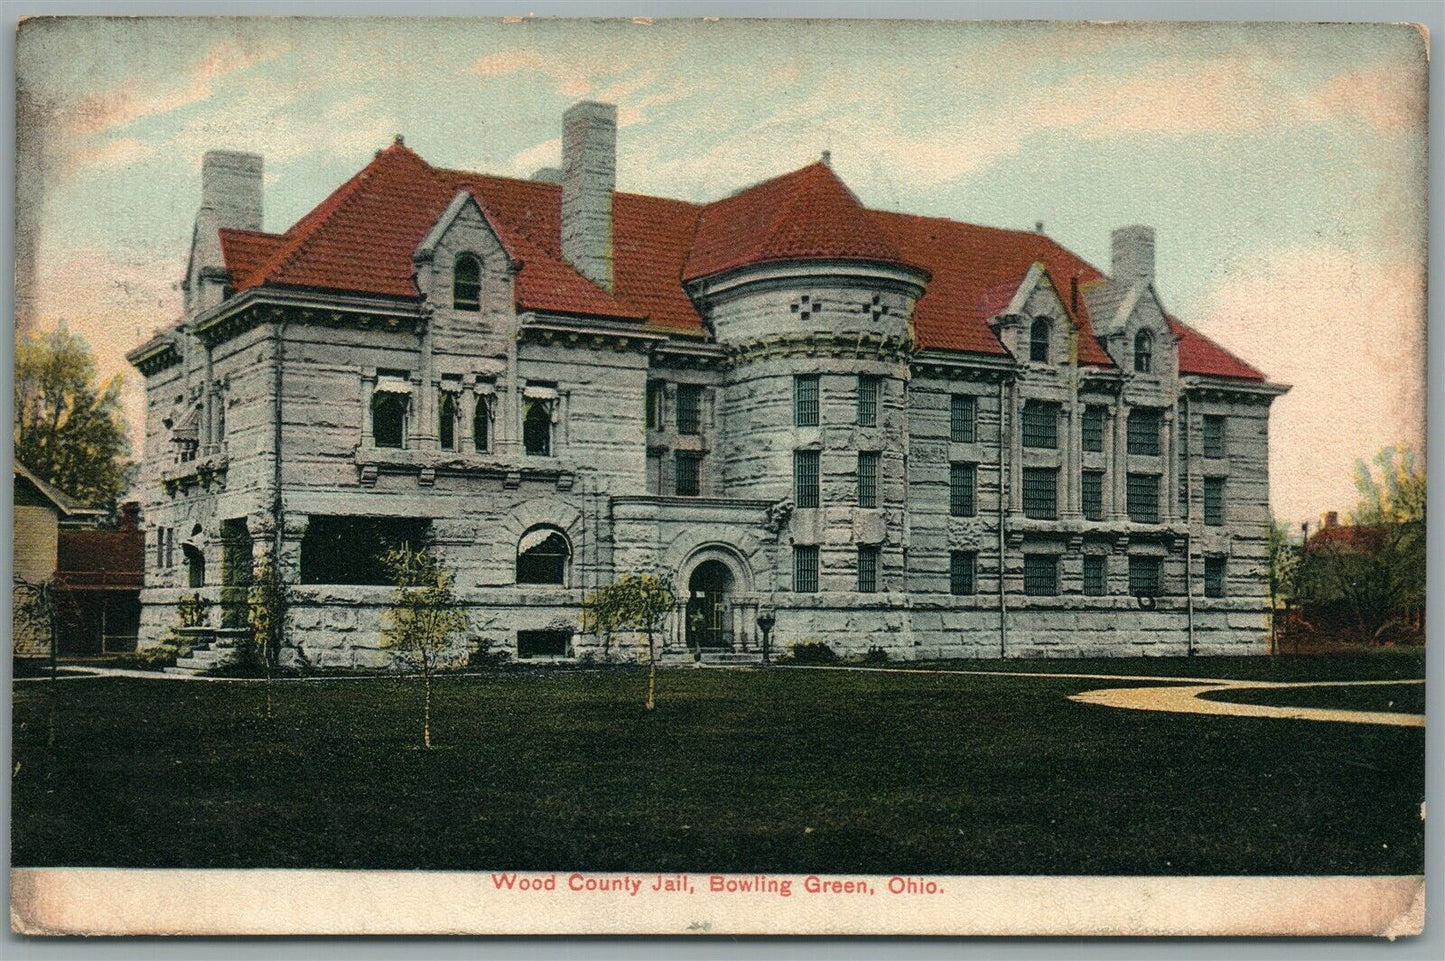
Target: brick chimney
{"points": [[1133, 255], [1331, 519], [589, 175]]}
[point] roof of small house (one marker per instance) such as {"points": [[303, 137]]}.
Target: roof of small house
{"points": [[361, 238], [65, 505]]}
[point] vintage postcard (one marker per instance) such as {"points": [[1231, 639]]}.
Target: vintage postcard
{"points": [[718, 477]]}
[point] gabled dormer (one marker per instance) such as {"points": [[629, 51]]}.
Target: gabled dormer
{"points": [[1035, 325], [1128, 316], [462, 265]]}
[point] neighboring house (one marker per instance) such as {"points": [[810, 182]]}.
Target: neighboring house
{"points": [[890, 430], [39, 511], [100, 572]]}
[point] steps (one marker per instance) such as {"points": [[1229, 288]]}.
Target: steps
{"points": [[206, 655]]}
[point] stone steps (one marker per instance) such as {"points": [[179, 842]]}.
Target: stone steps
{"points": [[202, 658]]}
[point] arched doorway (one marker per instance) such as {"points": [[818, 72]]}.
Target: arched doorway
{"points": [[709, 606]]}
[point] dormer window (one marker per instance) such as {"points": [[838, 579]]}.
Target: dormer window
{"points": [[1143, 352], [467, 283], [1039, 341]]}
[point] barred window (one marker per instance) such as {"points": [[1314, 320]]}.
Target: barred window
{"points": [[805, 400], [963, 418], [1093, 427], [867, 568], [1143, 352], [1041, 424], [1214, 435], [689, 473], [805, 569], [962, 490], [1142, 494], [1214, 570], [963, 572], [1093, 493], [805, 478], [868, 478], [1146, 576], [1144, 425], [1039, 341], [656, 395], [1096, 575], [689, 408], [1214, 501], [1041, 574], [1041, 493], [868, 390]]}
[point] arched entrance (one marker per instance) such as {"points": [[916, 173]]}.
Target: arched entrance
{"points": [[709, 606]]}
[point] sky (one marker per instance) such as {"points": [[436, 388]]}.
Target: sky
{"points": [[1282, 166]]}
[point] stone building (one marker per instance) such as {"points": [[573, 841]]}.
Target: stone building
{"points": [[889, 430]]}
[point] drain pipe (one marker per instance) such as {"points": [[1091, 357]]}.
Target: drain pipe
{"points": [[1003, 488], [278, 509], [1188, 525]]}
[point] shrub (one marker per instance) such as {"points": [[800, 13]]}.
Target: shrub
{"points": [[159, 657], [486, 659], [810, 652], [193, 611], [875, 655]]}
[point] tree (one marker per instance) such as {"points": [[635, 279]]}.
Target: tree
{"points": [[266, 599], [1283, 563], [424, 619], [68, 427], [636, 602]]}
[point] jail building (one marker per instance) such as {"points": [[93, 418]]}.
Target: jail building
{"points": [[883, 430]]}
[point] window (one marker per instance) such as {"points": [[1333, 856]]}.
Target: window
{"points": [[542, 556], [656, 393], [161, 547], [805, 569], [805, 401], [388, 418], [805, 478], [447, 421], [533, 644], [1039, 341], [1142, 494], [537, 426], [195, 565], [1041, 574], [689, 473], [349, 550], [1146, 576], [467, 283], [1093, 427], [1092, 488], [1041, 493], [963, 418], [1144, 423], [482, 424], [220, 419], [1041, 424], [1096, 575], [1214, 501], [868, 478], [235, 552], [962, 490], [1143, 352], [867, 568], [689, 408], [962, 572], [1214, 435], [1214, 576], [654, 471], [868, 391]]}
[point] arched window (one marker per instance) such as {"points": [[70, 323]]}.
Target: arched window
{"points": [[482, 424], [467, 283], [542, 556], [447, 421], [388, 419], [1143, 352], [1039, 341], [537, 427], [195, 565]]}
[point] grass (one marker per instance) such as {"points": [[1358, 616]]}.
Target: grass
{"points": [[1401, 698], [779, 771]]}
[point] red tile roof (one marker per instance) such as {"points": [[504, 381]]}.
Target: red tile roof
{"points": [[1346, 536], [361, 238]]}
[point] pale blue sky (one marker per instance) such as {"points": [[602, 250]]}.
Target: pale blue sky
{"points": [[1282, 166]]}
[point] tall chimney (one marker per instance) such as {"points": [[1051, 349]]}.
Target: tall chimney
{"points": [[1133, 251], [231, 188], [589, 175]]}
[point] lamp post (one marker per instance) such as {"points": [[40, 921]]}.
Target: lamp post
{"points": [[766, 620]]}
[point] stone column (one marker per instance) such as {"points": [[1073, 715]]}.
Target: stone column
{"points": [[1016, 450], [1169, 503], [1119, 463], [368, 392]]}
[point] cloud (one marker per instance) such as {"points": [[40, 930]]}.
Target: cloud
{"points": [[1349, 333], [1387, 97], [545, 154]]}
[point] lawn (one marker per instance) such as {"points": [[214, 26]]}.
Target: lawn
{"points": [[1391, 698], [777, 771]]}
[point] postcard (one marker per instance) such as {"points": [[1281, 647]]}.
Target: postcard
{"points": [[720, 477]]}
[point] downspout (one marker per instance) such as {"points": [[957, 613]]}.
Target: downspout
{"points": [[278, 509], [1003, 487], [1188, 524]]}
